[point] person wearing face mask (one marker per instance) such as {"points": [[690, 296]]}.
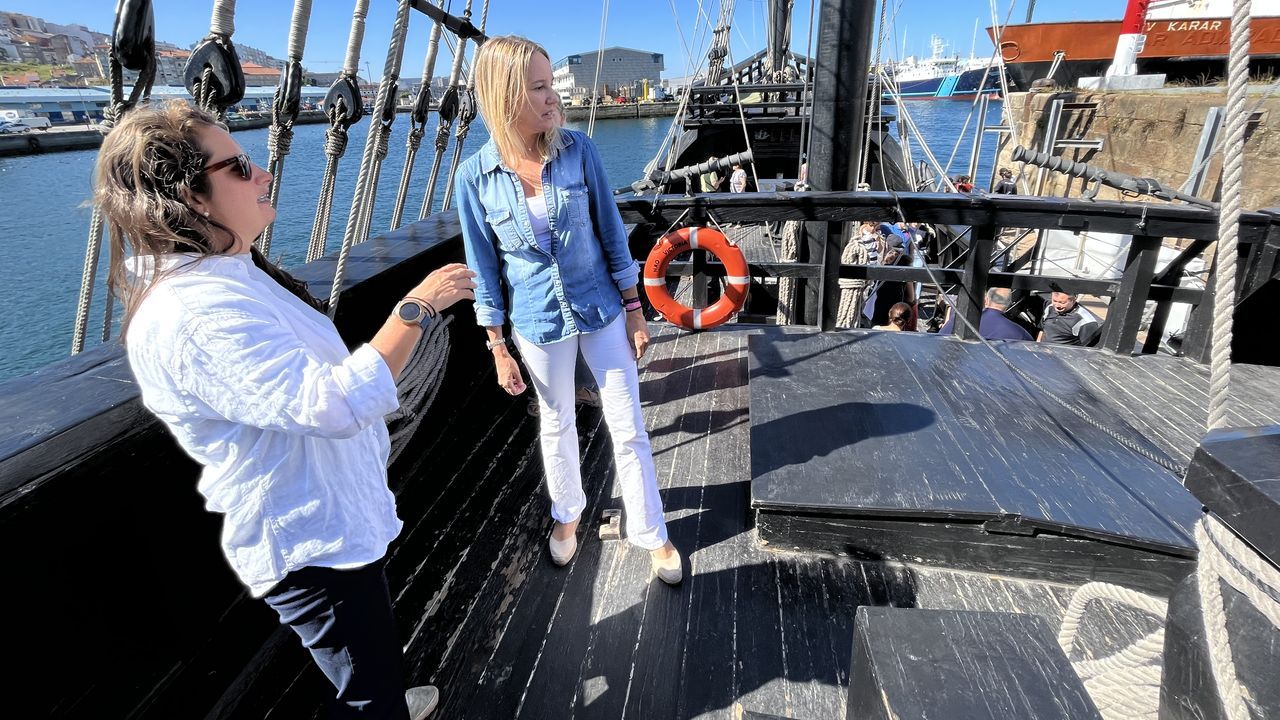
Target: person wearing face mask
{"points": [[256, 385], [543, 234]]}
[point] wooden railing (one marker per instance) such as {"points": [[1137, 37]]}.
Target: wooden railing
{"points": [[1141, 280]]}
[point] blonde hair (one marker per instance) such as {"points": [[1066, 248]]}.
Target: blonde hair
{"points": [[149, 165], [500, 75]]}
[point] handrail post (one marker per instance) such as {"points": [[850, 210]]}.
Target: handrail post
{"points": [[1120, 331], [973, 290]]}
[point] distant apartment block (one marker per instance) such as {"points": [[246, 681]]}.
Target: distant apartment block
{"points": [[622, 72]]}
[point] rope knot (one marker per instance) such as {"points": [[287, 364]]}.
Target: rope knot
{"points": [[335, 141], [280, 140]]}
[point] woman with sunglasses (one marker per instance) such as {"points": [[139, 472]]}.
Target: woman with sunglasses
{"points": [[256, 385]]}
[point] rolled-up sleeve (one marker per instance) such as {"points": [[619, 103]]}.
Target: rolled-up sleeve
{"points": [[246, 368], [607, 220], [480, 245]]}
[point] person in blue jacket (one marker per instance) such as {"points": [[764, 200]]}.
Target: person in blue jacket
{"points": [[544, 237]]}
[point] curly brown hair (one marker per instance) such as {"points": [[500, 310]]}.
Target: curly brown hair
{"points": [[149, 166]]}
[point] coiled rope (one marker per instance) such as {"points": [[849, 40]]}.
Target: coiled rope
{"points": [[417, 121], [1225, 558], [375, 142], [1126, 684], [853, 292], [284, 112]]}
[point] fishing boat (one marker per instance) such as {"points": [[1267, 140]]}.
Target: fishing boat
{"points": [[1186, 40], [942, 77], [878, 524]]}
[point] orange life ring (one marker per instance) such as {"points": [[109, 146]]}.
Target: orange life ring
{"points": [[737, 277]]}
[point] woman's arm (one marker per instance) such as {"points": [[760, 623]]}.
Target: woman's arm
{"points": [[480, 245], [442, 288]]}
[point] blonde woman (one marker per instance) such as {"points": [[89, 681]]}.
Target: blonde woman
{"points": [[546, 241], [256, 385]]}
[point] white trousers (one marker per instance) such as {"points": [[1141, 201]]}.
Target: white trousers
{"points": [[613, 364]]}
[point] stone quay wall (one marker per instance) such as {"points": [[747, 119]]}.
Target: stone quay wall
{"points": [[1149, 133]]}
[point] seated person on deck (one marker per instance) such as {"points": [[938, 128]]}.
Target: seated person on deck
{"points": [[994, 324], [1067, 322]]}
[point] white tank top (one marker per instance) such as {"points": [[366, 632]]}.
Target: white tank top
{"points": [[538, 219]]}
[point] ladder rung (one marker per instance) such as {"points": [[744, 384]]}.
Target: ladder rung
{"points": [[1078, 145]]}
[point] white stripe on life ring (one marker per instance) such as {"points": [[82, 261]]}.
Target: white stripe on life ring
{"points": [[735, 280], [693, 238], [697, 318], [655, 281]]}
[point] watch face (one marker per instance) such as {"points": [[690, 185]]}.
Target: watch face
{"points": [[410, 312]]}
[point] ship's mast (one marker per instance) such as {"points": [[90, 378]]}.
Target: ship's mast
{"points": [[779, 34], [839, 121]]}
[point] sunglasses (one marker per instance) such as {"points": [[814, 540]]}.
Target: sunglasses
{"points": [[898, 320], [241, 163]]}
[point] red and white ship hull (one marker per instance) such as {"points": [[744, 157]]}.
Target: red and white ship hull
{"points": [[1184, 40]]}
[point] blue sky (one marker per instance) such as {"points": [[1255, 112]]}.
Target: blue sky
{"points": [[573, 26]]}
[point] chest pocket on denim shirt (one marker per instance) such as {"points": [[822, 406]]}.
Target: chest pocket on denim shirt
{"points": [[574, 211], [506, 228]]}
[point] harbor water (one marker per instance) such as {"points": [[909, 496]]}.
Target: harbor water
{"points": [[45, 215]]}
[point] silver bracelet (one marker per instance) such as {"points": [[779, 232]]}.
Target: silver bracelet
{"points": [[491, 344]]}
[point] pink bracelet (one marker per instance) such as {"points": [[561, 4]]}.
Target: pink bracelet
{"points": [[631, 305]]}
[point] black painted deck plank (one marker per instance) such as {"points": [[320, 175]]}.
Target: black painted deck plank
{"points": [[755, 625], [952, 433]]}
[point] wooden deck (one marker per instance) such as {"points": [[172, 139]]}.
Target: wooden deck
{"points": [[506, 634]]}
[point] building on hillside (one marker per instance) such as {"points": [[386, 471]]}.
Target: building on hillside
{"points": [[256, 75], [171, 66], [22, 22], [623, 72], [258, 57], [80, 38]]}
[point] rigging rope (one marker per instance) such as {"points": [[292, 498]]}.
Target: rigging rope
{"points": [[466, 114], [742, 117], [1224, 290], [284, 111], [417, 121], [445, 113], [132, 47], [375, 149], [595, 83], [213, 74], [344, 108]]}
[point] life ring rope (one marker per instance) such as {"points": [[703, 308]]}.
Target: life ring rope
{"points": [[737, 277]]}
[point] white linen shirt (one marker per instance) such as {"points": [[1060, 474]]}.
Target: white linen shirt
{"points": [[260, 389]]}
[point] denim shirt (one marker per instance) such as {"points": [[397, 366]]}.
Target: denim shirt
{"points": [[575, 288]]}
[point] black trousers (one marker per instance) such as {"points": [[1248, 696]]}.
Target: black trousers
{"points": [[344, 618]]}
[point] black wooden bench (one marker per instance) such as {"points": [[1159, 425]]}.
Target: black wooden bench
{"points": [[960, 665]]}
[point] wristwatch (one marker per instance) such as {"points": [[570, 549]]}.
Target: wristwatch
{"points": [[413, 312]]}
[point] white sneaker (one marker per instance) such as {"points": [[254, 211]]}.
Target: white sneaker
{"points": [[421, 700]]}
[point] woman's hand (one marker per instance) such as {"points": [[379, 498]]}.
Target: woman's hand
{"points": [[446, 286], [637, 332], [509, 377]]}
